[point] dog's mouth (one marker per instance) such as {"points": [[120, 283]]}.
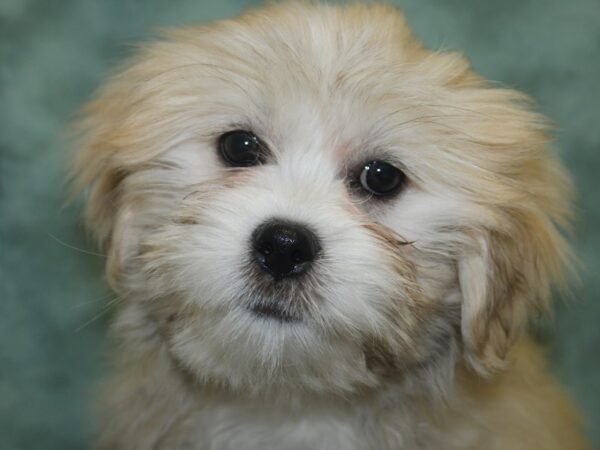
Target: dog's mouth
{"points": [[274, 310], [282, 301]]}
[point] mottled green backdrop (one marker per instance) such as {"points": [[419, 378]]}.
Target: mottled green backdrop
{"points": [[53, 53]]}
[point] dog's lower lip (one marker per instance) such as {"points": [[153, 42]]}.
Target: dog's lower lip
{"points": [[273, 311]]}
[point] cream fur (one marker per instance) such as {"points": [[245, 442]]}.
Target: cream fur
{"points": [[413, 321]]}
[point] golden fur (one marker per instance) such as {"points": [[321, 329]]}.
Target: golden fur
{"points": [[416, 338]]}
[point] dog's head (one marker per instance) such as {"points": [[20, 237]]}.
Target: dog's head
{"points": [[306, 196]]}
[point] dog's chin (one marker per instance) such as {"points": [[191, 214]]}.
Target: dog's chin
{"points": [[268, 346]]}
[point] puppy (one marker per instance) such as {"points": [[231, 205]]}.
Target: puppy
{"points": [[323, 236]]}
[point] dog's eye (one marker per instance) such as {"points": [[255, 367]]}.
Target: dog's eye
{"points": [[381, 178], [241, 148]]}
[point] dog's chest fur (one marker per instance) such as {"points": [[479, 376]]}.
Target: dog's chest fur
{"points": [[172, 419], [254, 426], [225, 424]]}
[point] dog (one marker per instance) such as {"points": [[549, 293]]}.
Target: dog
{"points": [[323, 235]]}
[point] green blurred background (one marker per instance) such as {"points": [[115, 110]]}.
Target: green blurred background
{"points": [[54, 53]]}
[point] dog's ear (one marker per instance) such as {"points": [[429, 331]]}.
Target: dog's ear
{"points": [[119, 132], [507, 277], [95, 173], [103, 159]]}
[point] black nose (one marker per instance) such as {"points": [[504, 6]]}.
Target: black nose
{"points": [[284, 249]]}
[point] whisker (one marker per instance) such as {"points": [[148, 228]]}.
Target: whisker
{"points": [[87, 302], [72, 247], [105, 309]]}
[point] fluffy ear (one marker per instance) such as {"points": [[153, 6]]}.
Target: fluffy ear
{"points": [[113, 211], [95, 173], [119, 132], [105, 217], [95, 170], [507, 280], [105, 157], [523, 195]]}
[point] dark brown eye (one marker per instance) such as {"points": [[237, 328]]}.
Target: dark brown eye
{"points": [[241, 148], [381, 178]]}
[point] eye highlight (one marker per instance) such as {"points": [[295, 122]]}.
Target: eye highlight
{"points": [[381, 178], [241, 148]]}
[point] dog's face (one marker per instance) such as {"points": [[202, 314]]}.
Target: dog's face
{"points": [[306, 197]]}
